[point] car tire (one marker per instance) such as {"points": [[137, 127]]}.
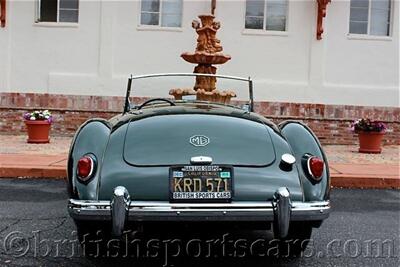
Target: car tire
{"points": [[293, 245]]}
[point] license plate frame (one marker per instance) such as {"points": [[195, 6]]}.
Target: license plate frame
{"points": [[202, 172]]}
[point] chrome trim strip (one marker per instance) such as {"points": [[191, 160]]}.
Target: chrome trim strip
{"points": [[162, 211], [297, 205], [201, 160]]}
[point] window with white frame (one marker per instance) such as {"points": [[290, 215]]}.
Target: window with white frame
{"points": [[269, 15], [58, 11], [164, 13], [370, 17]]}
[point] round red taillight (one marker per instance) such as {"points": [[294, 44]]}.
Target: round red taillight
{"points": [[315, 167], [85, 168]]}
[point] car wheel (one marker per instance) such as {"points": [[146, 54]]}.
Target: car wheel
{"points": [[296, 241]]}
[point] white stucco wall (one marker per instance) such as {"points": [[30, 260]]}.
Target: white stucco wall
{"points": [[96, 56]]}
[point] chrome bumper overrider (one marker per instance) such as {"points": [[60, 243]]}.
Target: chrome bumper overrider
{"points": [[121, 209]]}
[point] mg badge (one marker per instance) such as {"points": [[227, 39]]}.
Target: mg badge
{"points": [[199, 140]]}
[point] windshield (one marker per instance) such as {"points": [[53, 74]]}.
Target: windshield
{"points": [[227, 90]]}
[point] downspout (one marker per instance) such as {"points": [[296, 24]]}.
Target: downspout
{"points": [[2, 13]]}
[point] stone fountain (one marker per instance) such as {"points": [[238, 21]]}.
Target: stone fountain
{"points": [[208, 53]]}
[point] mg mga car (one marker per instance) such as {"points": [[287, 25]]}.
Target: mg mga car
{"points": [[189, 160]]}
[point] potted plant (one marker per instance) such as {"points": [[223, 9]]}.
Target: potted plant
{"points": [[38, 125], [370, 134]]}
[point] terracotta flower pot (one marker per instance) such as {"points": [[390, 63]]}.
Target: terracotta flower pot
{"points": [[38, 131], [370, 142]]}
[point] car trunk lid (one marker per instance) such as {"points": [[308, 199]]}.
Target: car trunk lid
{"points": [[174, 139]]}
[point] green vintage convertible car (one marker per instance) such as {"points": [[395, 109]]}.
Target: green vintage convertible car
{"points": [[183, 161]]}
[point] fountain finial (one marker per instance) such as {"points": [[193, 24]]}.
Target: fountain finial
{"points": [[213, 6]]}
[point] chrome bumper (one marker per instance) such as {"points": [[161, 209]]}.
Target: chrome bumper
{"points": [[121, 209]]}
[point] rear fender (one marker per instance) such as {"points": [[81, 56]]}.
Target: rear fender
{"points": [[91, 138], [302, 140]]}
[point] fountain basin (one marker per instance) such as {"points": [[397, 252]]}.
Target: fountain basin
{"points": [[205, 58]]}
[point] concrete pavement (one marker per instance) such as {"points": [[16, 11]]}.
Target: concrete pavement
{"points": [[34, 166], [348, 168]]}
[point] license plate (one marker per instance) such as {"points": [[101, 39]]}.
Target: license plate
{"points": [[201, 183]]}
